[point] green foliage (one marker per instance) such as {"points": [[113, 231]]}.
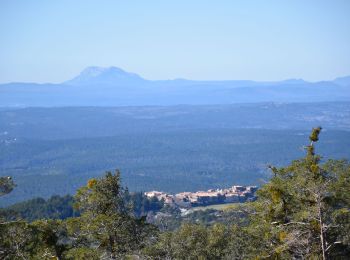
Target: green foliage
{"points": [[106, 223], [303, 212], [102, 196], [300, 206], [53, 235], [106, 226], [82, 253], [20, 240], [6, 185], [192, 241], [56, 207], [170, 218], [314, 134], [114, 234], [198, 159]]}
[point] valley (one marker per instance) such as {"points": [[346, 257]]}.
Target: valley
{"points": [[178, 148]]}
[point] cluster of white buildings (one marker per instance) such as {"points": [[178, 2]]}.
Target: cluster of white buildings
{"points": [[202, 198]]}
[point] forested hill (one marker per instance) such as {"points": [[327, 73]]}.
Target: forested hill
{"points": [[178, 148], [86, 122], [174, 161], [301, 212]]}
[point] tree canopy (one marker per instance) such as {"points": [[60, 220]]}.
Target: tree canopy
{"points": [[302, 212], [6, 185]]}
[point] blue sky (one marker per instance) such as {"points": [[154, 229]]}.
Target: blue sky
{"points": [[52, 41]]}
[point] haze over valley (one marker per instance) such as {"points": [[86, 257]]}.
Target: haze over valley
{"points": [[173, 136], [175, 130]]}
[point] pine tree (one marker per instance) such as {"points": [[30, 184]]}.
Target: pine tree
{"points": [[107, 223], [303, 211], [6, 185]]}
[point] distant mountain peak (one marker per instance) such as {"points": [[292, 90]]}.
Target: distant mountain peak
{"points": [[104, 75], [94, 71]]}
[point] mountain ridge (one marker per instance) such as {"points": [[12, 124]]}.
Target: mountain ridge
{"points": [[112, 86], [91, 73], [103, 75]]}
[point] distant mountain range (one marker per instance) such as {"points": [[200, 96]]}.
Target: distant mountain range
{"points": [[96, 86]]}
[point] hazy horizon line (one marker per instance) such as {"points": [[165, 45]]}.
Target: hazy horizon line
{"points": [[170, 79]]}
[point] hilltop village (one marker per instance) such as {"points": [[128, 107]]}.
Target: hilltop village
{"points": [[204, 198]]}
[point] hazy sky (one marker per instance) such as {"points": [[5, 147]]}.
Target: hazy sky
{"points": [[51, 41]]}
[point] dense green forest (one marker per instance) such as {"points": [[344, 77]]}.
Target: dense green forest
{"points": [[56, 150], [62, 123], [175, 161], [57, 207], [302, 212]]}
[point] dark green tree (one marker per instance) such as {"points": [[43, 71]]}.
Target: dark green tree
{"points": [[303, 210], [107, 223], [102, 196], [6, 185]]}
